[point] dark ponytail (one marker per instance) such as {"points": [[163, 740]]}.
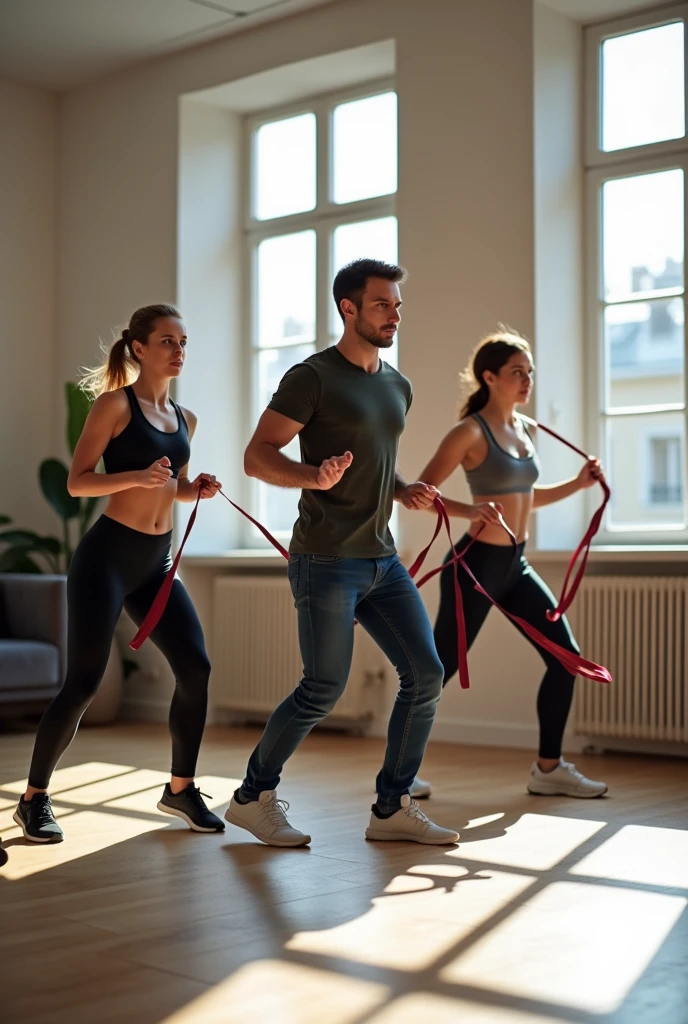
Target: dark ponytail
{"points": [[491, 354], [121, 367]]}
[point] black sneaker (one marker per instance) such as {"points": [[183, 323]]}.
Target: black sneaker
{"points": [[189, 805], [3, 855], [37, 821]]}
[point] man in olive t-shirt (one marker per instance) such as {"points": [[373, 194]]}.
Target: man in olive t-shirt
{"points": [[343, 563]]}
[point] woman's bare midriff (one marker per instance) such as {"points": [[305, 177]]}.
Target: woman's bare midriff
{"points": [[517, 509], [148, 510]]}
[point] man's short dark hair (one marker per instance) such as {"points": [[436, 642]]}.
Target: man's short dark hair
{"points": [[350, 283]]}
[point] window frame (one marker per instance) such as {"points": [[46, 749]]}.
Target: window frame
{"points": [[324, 218], [600, 167]]}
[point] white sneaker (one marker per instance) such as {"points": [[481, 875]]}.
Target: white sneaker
{"points": [[564, 781], [266, 819], [420, 789], [410, 825]]}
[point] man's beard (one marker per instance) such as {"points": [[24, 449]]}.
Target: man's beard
{"points": [[374, 336]]}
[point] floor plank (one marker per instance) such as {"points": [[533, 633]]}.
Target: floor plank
{"points": [[548, 910]]}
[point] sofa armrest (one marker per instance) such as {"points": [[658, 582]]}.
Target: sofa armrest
{"points": [[34, 607]]}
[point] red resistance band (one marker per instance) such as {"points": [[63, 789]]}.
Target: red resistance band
{"points": [[573, 663]]}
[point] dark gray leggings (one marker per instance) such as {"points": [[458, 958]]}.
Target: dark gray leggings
{"points": [[506, 575], [115, 567]]}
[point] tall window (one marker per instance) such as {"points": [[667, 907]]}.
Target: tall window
{"points": [[322, 181], [637, 159]]}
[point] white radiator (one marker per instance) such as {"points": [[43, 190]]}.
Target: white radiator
{"points": [[636, 626], [256, 659]]}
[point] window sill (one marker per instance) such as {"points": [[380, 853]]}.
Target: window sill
{"points": [[618, 553], [244, 558]]}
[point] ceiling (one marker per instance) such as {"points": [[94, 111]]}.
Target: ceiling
{"points": [[59, 44], [599, 10]]}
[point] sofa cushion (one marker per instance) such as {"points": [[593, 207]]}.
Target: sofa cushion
{"points": [[27, 664]]}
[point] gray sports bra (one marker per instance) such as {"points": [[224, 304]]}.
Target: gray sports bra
{"points": [[499, 472]]}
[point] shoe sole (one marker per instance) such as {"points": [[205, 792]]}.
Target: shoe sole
{"points": [[404, 837], [562, 792], [35, 839], [268, 842], [180, 814]]}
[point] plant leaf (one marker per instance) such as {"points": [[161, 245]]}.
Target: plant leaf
{"points": [[15, 537], [17, 560], [53, 479], [78, 407]]}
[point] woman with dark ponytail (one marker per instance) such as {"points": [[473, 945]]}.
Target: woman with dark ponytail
{"points": [[143, 438], [492, 444]]}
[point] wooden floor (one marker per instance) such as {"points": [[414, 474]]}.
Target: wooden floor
{"points": [[549, 910]]}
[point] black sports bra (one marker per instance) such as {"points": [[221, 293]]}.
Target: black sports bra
{"points": [[141, 444]]}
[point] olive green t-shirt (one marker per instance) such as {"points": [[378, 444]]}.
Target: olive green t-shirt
{"points": [[344, 408]]}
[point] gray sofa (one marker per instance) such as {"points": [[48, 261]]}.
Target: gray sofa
{"points": [[33, 637]]}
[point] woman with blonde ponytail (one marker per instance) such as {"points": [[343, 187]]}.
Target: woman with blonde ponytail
{"points": [[492, 443], [143, 438]]}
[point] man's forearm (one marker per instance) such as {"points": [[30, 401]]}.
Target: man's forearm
{"points": [[265, 462], [400, 485]]}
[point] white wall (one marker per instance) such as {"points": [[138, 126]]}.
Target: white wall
{"points": [[28, 395], [559, 346], [464, 74]]}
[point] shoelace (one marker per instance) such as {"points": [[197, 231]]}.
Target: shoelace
{"points": [[196, 794], [413, 811], [42, 811], [276, 811]]}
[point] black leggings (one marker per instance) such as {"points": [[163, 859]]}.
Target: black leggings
{"points": [[506, 575], [114, 567]]}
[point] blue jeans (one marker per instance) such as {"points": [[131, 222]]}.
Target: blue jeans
{"points": [[330, 592]]}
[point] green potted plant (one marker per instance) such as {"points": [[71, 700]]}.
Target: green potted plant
{"points": [[26, 551]]}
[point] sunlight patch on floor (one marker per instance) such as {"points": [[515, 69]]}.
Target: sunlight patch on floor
{"points": [[145, 802], [408, 930], [117, 786], [88, 832], [536, 842], [77, 775], [643, 854], [219, 788], [580, 945], [439, 1010], [283, 993]]}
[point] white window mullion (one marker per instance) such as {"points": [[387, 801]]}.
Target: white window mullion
{"points": [[283, 309]]}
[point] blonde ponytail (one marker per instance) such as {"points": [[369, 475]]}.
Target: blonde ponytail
{"points": [[120, 366]]}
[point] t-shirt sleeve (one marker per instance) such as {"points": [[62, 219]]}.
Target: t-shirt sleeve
{"points": [[409, 396], [298, 394]]}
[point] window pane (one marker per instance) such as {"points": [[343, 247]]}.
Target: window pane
{"points": [[643, 233], [644, 353], [277, 506], [642, 87], [646, 465], [367, 239], [365, 148], [284, 176], [286, 290]]}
